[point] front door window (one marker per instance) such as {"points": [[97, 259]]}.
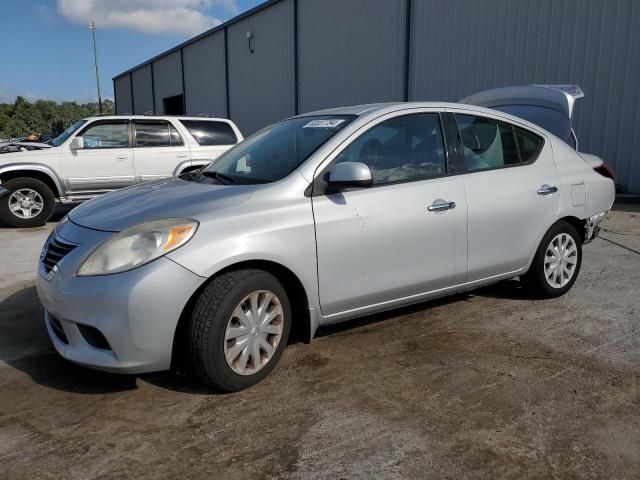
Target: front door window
{"points": [[402, 149], [106, 135]]}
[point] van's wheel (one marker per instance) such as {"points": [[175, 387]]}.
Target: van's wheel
{"points": [[239, 328], [557, 262], [30, 203]]}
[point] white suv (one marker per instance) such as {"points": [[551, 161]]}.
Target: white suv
{"points": [[99, 154]]}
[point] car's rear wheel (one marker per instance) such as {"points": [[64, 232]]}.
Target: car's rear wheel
{"points": [[557, 262], [29, 203], [239, 328]]}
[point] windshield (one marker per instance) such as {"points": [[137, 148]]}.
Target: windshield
{"points": [[274, 152], [60, 139], [547, 118]]}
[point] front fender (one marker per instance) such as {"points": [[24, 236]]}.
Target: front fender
{"points": [[282, 234], [303, 268], [36, 167]]}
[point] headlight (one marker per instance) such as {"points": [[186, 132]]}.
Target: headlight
{"points": [[138, 245]]}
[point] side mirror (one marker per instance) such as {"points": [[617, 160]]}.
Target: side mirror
{"points": [[77, 143], [350, 174]]}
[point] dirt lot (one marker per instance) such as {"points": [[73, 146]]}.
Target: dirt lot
{"points": [[485, 385]]}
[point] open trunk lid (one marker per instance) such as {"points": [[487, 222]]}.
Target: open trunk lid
{"points": [[548, 106]]}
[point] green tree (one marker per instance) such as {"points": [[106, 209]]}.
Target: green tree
{"points": [[26, 115], [46, 117]]}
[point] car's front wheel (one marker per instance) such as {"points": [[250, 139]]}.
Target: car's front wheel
{"points": [[29, 203], [557, 262], [239, 328]]}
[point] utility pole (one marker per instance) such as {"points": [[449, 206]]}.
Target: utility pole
{"points": [[92, 27]]}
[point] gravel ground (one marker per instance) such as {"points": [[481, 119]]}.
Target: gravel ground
{"points": [[486, 385]]}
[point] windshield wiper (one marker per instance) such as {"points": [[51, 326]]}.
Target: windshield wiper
{"points": [[217, 176]]}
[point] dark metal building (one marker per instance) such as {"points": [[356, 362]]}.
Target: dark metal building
{"points": [[292, 56]]}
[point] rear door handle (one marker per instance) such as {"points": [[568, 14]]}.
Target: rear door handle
{"points": [[182, 155], [440, 205], [121, 158], [547, 190]]}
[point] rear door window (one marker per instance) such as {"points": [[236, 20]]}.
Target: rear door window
{"points": [[176, 138], [210, 133], [487, 143], [156, 134]]}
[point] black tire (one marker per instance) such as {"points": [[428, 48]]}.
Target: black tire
{"points": [[535, 279], [210, 317], [49, 203]]}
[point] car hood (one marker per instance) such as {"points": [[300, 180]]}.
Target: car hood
{"points": [[169, 198], [34, 145], [29, 155]]}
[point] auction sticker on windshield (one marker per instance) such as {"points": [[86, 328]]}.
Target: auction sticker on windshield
{"points": [[329, 123]]}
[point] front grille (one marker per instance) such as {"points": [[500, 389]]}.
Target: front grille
{"points": [[56, 250], [56, 326]]}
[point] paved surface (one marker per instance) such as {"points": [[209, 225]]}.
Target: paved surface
{"points": [[487, 385]]}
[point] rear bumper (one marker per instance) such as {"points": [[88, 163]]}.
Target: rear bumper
{"points": [[592, 227]]}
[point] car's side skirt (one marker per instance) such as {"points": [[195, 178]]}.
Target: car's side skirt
{"points": [[417, 298], [81, 184]]}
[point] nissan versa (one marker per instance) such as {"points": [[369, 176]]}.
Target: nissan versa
{"points": [[318, 219]]}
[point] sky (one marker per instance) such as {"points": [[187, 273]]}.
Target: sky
{"points": [[47, 46]]}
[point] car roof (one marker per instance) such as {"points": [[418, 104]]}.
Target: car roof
{"points": [[376, 109], [154, 117], [379, 109], [350, 110]]}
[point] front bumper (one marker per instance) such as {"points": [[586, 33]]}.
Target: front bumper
{"points": [[135, 313]]}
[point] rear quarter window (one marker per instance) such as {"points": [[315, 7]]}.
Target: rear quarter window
{"points": [[210, 133], [529, 144]]}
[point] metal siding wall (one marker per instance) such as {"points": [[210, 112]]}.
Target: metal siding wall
{"points": [[122, 94], [261, 84], [463, 46], [142, 91], [204, 76], [167, 75], [350, 52]]}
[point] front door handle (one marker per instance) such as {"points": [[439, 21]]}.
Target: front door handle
{"points": [[547, 190], [440, 205], [121, 158]]}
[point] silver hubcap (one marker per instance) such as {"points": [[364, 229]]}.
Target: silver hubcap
{"points": [[560, 260], [25, 203], [253, 332]]}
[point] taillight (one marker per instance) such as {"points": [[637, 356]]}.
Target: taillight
{"points": [[606, 171]]}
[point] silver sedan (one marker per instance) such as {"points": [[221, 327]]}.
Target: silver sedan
{"points": [[314, 220]]}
